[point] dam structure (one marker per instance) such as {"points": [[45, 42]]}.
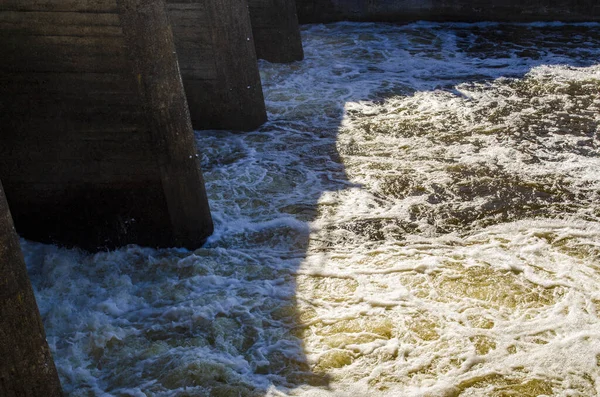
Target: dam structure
{"points": [[26, 367], [276, 30], [218, 63], [97, 149], [102, 81], [313, 11], [419, 215], [98, 105]]}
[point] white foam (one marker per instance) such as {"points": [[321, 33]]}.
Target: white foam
{"points": [[418, 218]]}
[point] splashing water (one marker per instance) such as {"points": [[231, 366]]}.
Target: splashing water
{"points": [[420, 217]]}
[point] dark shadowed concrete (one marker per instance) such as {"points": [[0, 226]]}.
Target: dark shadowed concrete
{"points": [[96, 147], [218, 63], [276, 30], [310, 11], [26, 366]]}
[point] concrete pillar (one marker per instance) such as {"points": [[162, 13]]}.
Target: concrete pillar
{"points": [[96, 146], [26, 366], [218, 63], [276, 30]]}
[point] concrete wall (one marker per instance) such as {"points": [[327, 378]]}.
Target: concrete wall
{"points": [[96, 146], [26, 366], [276, 30], [310, 11], [218, 63]]}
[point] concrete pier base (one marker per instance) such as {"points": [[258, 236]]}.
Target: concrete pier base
{"points": [[96, 146], [276, 30], [312, 11], [218, 63], [26, 366]]}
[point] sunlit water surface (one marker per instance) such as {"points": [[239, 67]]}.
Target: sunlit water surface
{"points": [[420, 217]]}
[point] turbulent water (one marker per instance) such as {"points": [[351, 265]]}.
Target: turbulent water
{"points": [[420, 217]]}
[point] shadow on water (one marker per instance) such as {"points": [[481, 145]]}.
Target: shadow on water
{"points": [[226, 319]]}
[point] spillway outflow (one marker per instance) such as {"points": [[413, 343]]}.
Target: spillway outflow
{"points": [[420, 217]]}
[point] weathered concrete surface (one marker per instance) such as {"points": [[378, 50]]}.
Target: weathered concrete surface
{"points": [[310, 11], [276, 30], [26, 366], [218, 63], [96, 146]]}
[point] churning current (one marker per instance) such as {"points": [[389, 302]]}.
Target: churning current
{"points": [[419, 217]]}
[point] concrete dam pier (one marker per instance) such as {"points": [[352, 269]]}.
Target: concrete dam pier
{"points": [[218, 43], [218, 63], [276, 30], [97, 149], [312, 11], [26, 367]]}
